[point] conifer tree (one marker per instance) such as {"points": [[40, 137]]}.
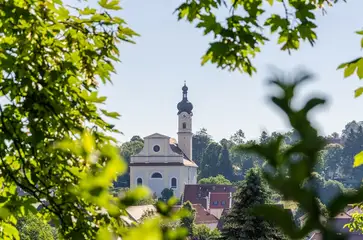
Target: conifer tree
{"points": [[240, 223], [224, 164]]}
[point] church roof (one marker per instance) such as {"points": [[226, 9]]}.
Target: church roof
{"points": [[175, 148], [156, 135]]}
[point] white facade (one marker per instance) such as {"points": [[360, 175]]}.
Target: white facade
{"points": [[162, 163], [185, 134]]}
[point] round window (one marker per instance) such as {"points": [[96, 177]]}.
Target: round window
{"points": [[156, 148]]}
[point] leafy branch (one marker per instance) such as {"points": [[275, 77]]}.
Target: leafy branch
{"points": [[291, 167]]}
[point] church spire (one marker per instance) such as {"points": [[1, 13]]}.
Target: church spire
{"points": [[184, 105]]}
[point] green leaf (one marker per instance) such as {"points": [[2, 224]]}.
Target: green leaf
{"points": [[88, 142], [271, 2], [281, 217], [10, 230], [112, 5], [349, 70], [358, 159], [358, 92], [115, 115], [360, 68], [104, 234], [341, 201]]}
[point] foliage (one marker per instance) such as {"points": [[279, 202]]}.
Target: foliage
{"points": [[300, 215], [240, 223], [202, 232], [241, 34], [128, 149], [224, 164], [166, 194], [200, 142], [188, 221], [326, 190], [55, 141], [32, 227], [146, 201], [219, 179], [299, 161], [168, 223], [208, 166]]}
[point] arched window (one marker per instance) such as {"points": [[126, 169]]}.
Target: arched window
{"points": [[173, 183], [139, 181], [156, 175], [184, 125]]}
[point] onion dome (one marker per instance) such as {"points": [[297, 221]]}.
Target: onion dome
{"points": [[184, 105]]}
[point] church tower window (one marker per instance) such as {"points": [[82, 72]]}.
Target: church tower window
{"points": [[156, 175], [139, 181], [184, 125], [173, 183]]}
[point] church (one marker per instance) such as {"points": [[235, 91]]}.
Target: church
{"points": [[163, 162]]}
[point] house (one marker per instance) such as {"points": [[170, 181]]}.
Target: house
{"points": [[163, 163], [338, 224], [203, 193], [202, 216], [135, 213]]}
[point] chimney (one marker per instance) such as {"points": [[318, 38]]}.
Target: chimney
{"points": [[208, 201], [230, 200]]}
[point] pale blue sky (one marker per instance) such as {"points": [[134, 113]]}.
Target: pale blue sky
{"points": [[148, 82]]}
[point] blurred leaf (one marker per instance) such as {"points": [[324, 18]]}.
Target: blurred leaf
{"points": [[358, 159]]}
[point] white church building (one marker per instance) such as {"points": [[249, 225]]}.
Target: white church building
{"points": [[163, 163]]}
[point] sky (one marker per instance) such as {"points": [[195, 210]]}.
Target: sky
{"points": [[147, 86]]}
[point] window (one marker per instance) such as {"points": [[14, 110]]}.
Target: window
{"points": [[139, 181], [215, 203], [214, 187], [156, 148], [184, 125], [223, 203], [156, 175], [173, 183]]}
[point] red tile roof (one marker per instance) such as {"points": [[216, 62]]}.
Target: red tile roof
{"points": [[220, 200], [202, 216], [198, 193]]}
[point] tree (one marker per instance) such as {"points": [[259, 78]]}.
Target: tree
{"points": [[32, 227], [202, 232], [334, 161], [188, 221], [219, 179], [55, 142], [296, 23], [166, 194], [200, 143], [264, 137], [224, 165], [208, 167], [238, 137], [128, 149], [53, 59], [352, 146], [240, 223]]}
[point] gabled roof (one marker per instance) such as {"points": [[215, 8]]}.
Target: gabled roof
{"points": [[198, 193], [156, 135], [136, 212], [202, 216]]}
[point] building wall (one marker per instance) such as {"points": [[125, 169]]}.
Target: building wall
{"points": [[165, 154], [185, 134], [181, 173]]}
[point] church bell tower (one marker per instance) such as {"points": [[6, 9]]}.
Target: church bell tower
{"points": [[185, 115]]}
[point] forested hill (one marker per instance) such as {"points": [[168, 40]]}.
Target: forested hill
{"points": [[213, 158]]}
